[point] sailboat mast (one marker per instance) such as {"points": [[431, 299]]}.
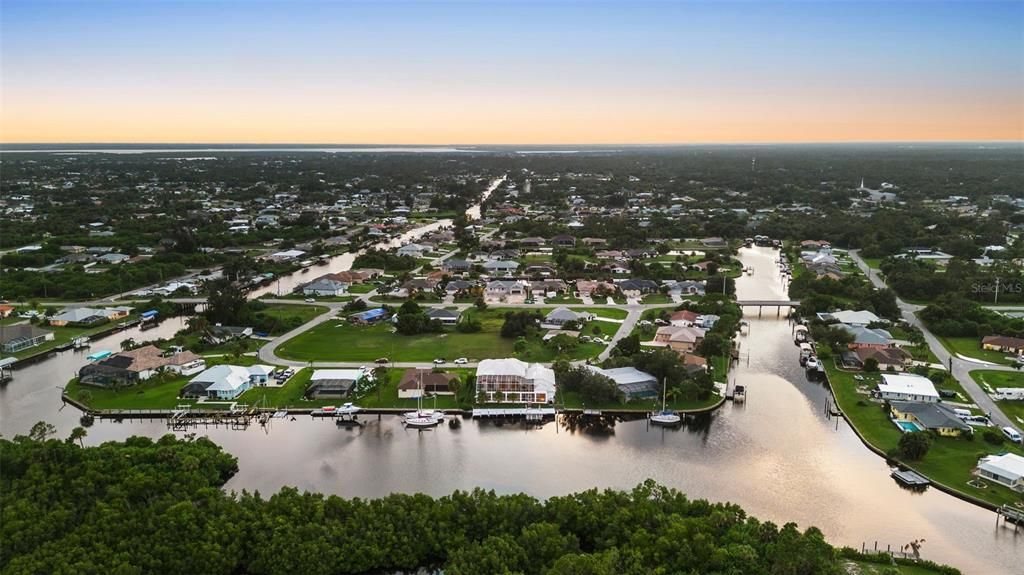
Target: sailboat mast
{"points": [[664, 397]]}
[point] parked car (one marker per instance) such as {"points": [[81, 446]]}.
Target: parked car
{"points": [[310, 299], [1012, 434], [439, 361], [461, 361]]}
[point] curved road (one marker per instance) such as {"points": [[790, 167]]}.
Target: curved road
{"points": [[960, 368]]}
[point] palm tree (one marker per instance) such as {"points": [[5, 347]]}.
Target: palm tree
{"points": [[78, 434], [128, 344]]}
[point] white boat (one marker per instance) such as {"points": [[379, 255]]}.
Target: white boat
{"points": [[812, 363], [348, 409], [80, 342], [422, 417], [665, 416]]}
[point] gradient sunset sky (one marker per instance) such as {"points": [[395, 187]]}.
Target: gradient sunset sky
{"points": [[525, 73]]}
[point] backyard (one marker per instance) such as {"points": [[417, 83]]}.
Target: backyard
{"points": [[949, 461]]}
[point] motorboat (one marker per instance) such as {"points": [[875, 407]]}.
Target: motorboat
{"points": [[348, 409], [812, 364]]}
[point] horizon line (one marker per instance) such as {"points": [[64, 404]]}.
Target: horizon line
{"points": [[513, 144]]}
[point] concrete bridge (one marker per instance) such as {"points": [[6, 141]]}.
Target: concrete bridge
{"points": [[760, 304]]}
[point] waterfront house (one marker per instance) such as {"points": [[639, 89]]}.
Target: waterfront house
{"points": [[907, 387], [1006, 469], [889, 358], [864, 337], [934, 417], [681, 339], [87, 316], [226, 381], [1003, 343], [513, 381], [219, 334], [369, 316], [852, 318], [325, 287], [425, 381], [324, 383], [14, 338], [138, 365], [413, 250], [632, 382]]}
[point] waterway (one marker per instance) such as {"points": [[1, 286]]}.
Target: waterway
{"points": [[779, 455], [343, 262]]}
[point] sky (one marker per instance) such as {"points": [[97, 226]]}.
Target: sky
{"points": [[569, 72]]}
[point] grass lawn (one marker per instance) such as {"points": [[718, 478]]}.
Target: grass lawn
{"points": [[873, 263], [422, 298], [995, 379], [562, 298], [949, 461], [385, 393], [156, 393], [318, 298], [361, 288], [608, 312], [656, 298], [284, 310], [340, 341], [971, 347]]}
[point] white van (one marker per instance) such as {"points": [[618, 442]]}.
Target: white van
{"points": [[962, 413], [1012, 434]]}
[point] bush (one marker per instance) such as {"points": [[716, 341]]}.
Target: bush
{"points": [[915, 446], [993, 437]]}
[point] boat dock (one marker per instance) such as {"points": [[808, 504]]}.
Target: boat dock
{"points": [[909, 478], [530, 413]]}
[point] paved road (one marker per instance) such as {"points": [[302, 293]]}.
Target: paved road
{"points": [[960, 368]]}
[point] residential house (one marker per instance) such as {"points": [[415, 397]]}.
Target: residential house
{"points": [[456, 286], [852, 318], [686, 288], [456, 266], [219, 334], [637, 288], [1003, 343], [369, 316], [505, 291], [681, 339], [226, 381], [325, 287], [683, 318], [324, 383], [445, 316], [563, 315], [6, 310], [413, 250], [421, 382], [1006, 469], [513, 381], [907, 387], [934, 417], [539, 270], [501, 267], [564, 241], [532, 242], [706, 321], [588, 288], [14, 338], [86, 316], [138, 365], [548, 286], [632, 382], [868, 338], [888, 358]]}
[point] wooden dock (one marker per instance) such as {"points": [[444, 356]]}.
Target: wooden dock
{"points": [[909, 478]]}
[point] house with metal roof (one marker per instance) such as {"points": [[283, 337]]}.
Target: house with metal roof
{"points": [[226, 381], [1006, 469], [333, 382], [907, 387], [325, 287], [632, 382], [14, 338]]}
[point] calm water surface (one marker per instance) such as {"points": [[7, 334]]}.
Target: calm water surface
{"points": [[779, 456]]}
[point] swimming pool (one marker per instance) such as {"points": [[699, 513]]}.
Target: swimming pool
{"points": [[908, 426]]}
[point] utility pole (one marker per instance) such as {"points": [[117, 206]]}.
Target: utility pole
{"points": [[995, 298]]}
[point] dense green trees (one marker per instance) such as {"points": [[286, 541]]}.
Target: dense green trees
{"points": [[146, 506], [520, 323]]}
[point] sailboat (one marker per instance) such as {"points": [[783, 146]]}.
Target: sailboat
{"points": [[665, 416], [421, 418]]}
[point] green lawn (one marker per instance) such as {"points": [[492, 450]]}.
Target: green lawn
{"points": [[361, 288], [995, 379], [608, 312], [421, 298], [949, 461], [284, 310], [385, 393], [656, 298], [340, 341], [873, 263], [971, 347], [562, 298], [318, 298]]}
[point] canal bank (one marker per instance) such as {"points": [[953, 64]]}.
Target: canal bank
{"points": [[778, 455]]}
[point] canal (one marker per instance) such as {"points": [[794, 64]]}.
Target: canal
{"points": [[779, 455]]}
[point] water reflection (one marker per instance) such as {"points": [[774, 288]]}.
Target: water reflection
{"points": [[779, 455]]}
